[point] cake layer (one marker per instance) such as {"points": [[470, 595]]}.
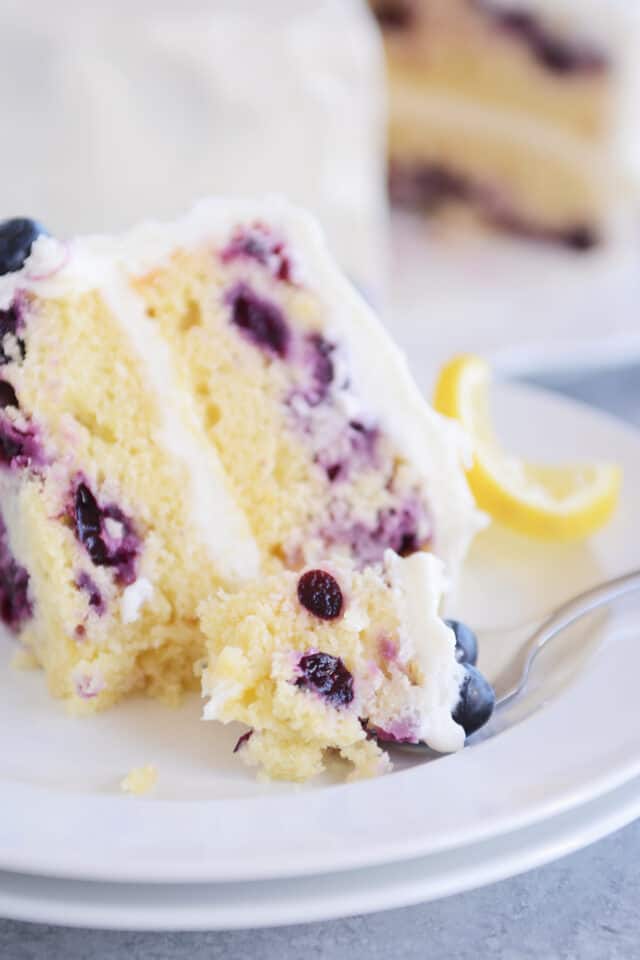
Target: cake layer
{"points": [[333, 659], [184, 407], [505, 58]]}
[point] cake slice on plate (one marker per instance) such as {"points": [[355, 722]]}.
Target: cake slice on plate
{"points": [[189, 408]]}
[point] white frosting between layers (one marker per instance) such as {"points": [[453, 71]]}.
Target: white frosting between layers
{"points": [[418, 583], [380, 377], [215, 516]]}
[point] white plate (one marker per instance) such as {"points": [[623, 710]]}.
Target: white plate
{"points": [[62, 813], [206, 906]]}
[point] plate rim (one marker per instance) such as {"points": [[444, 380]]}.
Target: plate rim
{"points": [[533, 847]]}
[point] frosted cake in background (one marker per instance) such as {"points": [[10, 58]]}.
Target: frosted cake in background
{"points": [[523, 111], [209, 96], [195, 406]]}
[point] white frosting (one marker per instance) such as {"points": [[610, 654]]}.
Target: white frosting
{"points": [[133, 599], [418, 583], [196, 96]]}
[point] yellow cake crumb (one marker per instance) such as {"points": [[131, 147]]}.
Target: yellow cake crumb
{"points": [[139, 780], [24, 659]]}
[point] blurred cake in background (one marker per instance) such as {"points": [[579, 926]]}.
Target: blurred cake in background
{"points": [[522, 111], [132, 110]]}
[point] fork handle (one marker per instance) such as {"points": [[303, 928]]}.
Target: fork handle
{"points": [[567, 614]]}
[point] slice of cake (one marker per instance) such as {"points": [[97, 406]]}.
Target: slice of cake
{"points": [[185, 409], [521, 110], [336, 659]]}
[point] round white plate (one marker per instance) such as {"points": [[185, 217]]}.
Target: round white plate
{"points": [[576, 736], [207, 906]]}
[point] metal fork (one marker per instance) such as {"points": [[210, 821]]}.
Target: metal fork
{"points": [[562, 618]]}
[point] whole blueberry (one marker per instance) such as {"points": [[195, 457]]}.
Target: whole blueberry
{"points": [[328, 676], [16, 239], [476, 703], [466, 642], [320, 594]]}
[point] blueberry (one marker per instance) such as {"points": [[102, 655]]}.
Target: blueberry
{"points": [[262, 322], [89, 517], [15, 605], [328, 676], [466, 642], [476, 703], [16, 239], [7, 395], [320, 594]]}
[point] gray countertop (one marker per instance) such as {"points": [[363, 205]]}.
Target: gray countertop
{"points": [[584, 907]]}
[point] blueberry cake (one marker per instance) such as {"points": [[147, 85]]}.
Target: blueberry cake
{"points": [[188, 409], [521, 111], [341, 660]]}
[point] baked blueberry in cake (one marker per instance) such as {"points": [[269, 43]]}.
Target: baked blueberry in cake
{"points": [[190, 410]]}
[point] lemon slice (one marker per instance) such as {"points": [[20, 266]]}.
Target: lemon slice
{"points": [[567, 502]]}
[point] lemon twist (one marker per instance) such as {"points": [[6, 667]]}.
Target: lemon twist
{"points": [[562, 503]]}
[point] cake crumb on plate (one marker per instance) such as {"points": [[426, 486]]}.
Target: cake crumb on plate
{"points": [[139, 780]]}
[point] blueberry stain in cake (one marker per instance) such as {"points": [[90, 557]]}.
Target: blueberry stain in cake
{"points": [[260, 321], [405, 528], [327, 676], [15, 604], [94, 598], [12, 346], [109, 544], [319, 593], [319, 360], [19, 448], [17, 236], [259, 243], [557, 54], [403, 731], [241, 741]]}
